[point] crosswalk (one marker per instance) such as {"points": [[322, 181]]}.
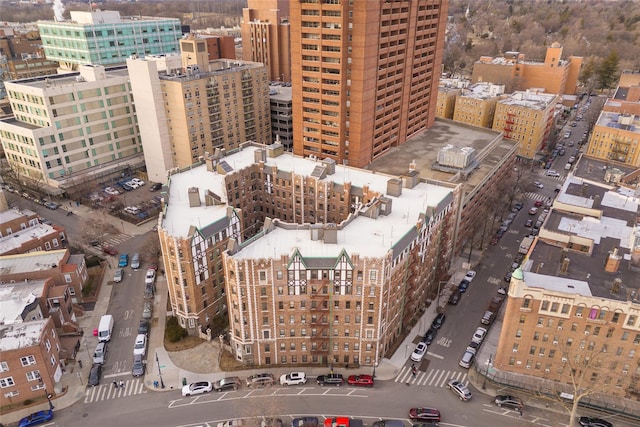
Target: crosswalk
{"points": [[431, 378], [535, 196], [107, 391], [116, 239]]}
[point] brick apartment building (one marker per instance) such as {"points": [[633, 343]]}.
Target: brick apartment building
{"points": [[29, 361], [555, 75], [253, 195], [21, 231], [364, 75]]}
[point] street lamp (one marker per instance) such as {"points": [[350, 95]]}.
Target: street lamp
{"points": [[46, 393], [375, 365], [159, 371]]}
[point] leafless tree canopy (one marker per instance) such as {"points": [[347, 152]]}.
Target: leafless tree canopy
{"points": [[591, 29]]}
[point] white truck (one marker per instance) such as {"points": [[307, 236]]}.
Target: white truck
{"points": [[525, 245], [105, 328]]}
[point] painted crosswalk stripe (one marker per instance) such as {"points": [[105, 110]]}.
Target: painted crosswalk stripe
{"points": [[108, 391]]}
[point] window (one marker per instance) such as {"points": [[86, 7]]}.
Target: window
{"points": [[4, 366], [522, 319], [28, 360], [6, 382], [579, 311], [565, 308], [526, 303], [631, 320], [33, 375], [615, 318]]}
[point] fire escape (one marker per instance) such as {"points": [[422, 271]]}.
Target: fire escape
{"points": [[509, 125], [320, 322], [619, 149]]}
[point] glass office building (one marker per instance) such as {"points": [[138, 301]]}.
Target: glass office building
{"points": [[106, 38]]}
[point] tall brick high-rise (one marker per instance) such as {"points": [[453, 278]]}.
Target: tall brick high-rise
{"points": [[364, 74]]}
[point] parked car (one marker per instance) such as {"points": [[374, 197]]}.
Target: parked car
{"points": [[463, 285], [147, 310], [472, 274], [36, 418], [419, 352], [260, 380], [137, 181], [455, 297], [124, 260], [51, 205], [155, 186], [100, 353], [438, 321], [150, 277], [271, 422], [293, 378], [518, 205], [305, 422], [111, 191], [197, 388], [228, 383], [138, 366], [528, 223], [533, 211], [424, 414], [330, 379], [459, 389], [507, 276], [94, 375], [140, 345], [143, 327], [594, 422], [479, 335], [132, 184], [429, 336], [508, 401], [360, 380], [133, 210], [467, 358], [487, 318]]}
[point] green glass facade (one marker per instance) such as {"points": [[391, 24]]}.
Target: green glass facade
{"points": [[108, 44]]}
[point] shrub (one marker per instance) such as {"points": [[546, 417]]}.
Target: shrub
{"points": [[174, 332]]}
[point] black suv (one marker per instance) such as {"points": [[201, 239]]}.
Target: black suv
{"points": [[430, 336], [330, 379], [438, 321]]}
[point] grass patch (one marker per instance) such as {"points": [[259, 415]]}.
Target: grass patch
{"points": [[229, 363], [185, 343]]}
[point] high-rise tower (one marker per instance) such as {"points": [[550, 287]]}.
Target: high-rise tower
{"points": [[364, 74], [265, 36]]}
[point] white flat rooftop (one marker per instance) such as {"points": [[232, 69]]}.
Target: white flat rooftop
{"points": [[557, 284], [32, 261], [20, 237], [14, 297], [21, 335], [364, 236]]}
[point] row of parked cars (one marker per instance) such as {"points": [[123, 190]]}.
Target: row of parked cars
{"points": [[267, 379]]}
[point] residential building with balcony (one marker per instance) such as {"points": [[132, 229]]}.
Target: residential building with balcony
{"points": [[573, 312], [72, 130], [103, 37], [364, 75], [281, 115], [555, 75], [616, 137], [199, 108], [266, 37], [29, 360], [244, 201], [526, 118]]}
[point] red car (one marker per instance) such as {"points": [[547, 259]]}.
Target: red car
{"points": [[538, 203], [109, 250], [360, 380]]}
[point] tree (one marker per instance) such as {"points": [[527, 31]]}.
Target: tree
{"points": [[608, 70], [579, 373]]}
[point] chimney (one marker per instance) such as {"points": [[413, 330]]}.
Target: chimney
{"points": [[394, 187], [411, 179], [613, 261], [260, 155], [194, 197], [330, 166], [275, 150]]}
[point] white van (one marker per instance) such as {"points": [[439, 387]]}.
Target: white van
{"points": [[105, 328]]}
